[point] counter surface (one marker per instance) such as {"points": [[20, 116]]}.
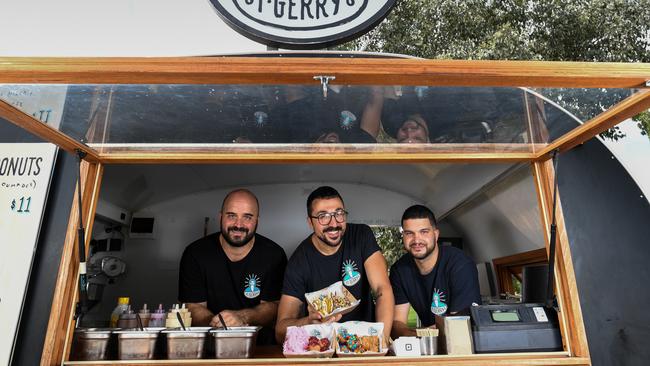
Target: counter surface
{"points": [[272, 355]]}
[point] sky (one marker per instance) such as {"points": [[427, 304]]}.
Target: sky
{"points": [[633, 151], [116, 27]]}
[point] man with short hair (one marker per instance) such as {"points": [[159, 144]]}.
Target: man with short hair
{"points": [[414, 130], [400, 119], [235, 273], [434, 279], [335, 251]]}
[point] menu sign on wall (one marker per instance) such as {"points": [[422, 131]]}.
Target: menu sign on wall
{"points": [[25, 171], [302, 24]]}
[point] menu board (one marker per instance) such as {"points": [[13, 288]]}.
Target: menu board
{"points": [[25, 173]]}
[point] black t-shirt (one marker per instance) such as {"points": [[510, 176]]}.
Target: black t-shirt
{"points": [[207, 275], [451, 286], [309, 270]]}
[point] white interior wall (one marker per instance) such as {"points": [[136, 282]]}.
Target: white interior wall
{"points": [[502, 221]]}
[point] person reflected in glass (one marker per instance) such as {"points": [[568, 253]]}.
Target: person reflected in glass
{"points": [[305, 115], [401, 121]]}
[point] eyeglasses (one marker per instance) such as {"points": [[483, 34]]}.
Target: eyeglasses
{"points": [[326, 217]]}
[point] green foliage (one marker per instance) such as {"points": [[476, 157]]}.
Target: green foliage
{"points": [[552, 30], [390, 242], [643, 121], [599, 30]]}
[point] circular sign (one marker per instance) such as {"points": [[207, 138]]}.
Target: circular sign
{"points": [[302, 24]]}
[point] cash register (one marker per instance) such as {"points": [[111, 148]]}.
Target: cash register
{"points": [[523, 327]]}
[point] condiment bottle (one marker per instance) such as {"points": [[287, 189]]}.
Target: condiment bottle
{"points": [[127, 319], [157, 319], [172, 320], [145, 315], [122, 306]]}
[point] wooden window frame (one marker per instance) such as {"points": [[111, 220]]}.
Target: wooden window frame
{"points": [[511, 265]]}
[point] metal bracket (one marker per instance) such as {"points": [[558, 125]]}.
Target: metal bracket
{"points": [[647, 83], [324, 81]]}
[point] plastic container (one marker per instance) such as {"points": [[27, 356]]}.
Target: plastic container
{"points": [[127, 319], [157, 319], [186, 344], [172, 318], [145, 315], [91, 344], [236, 342], [122, 306]]}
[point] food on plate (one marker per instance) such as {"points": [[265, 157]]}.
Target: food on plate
{"points": [[298, 340], [353, 343], [318, 345], [370, 343], [326, 304]]}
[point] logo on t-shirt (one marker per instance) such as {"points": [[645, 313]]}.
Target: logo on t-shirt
{"points": [[347, 120], [349, 273], [438, 305], [253, 284]]}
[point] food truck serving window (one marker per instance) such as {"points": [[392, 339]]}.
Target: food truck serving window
{"points": [[140, 122], [130, 118]]}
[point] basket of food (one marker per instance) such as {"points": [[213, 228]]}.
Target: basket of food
{"points": [[332, 300], [313, 340], [359, 339]]}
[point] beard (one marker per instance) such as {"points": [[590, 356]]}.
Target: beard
{"points": [[327, 240], [426, 254], [238, 242]]}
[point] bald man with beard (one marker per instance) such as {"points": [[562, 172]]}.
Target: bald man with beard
{"points": [[235, 273]]}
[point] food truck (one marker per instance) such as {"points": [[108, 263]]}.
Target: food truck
{"points": [[160, 141]]}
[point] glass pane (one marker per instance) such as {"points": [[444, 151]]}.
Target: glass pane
{"points": [[582, 103], [43, 102], [258, 119]]}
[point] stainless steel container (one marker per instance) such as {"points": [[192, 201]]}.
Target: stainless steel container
{"points": [[236, 342], [186, 344], [136, 344], [91, 344], [428, 345]]}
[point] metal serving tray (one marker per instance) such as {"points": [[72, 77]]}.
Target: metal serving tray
{"points": [[186, 344], [91, 344], [136, 344], [236, 342]]}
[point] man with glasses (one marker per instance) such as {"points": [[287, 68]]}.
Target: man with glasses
{"points": [[335, 251], [235, 274]]}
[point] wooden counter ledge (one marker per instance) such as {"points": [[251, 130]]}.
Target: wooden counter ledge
{"points": [[272, 355]]}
